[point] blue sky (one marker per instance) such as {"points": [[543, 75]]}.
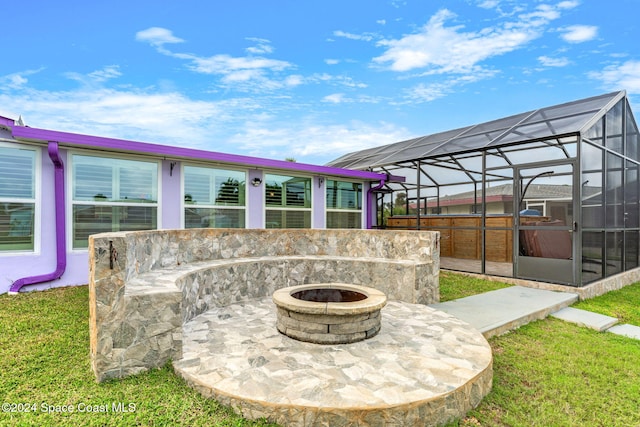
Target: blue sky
{"points": [[310, 80]]}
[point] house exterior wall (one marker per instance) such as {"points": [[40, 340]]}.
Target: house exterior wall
{"points": [[14, 265], [171, 190], [42, 260], [255, 196], [319, 217]]}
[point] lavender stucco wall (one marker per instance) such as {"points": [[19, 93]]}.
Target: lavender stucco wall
{"points": [[170, 182], [319, 202], [16, 266], [255, 200]]}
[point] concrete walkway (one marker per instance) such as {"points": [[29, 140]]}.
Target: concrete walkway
{"points": [[496, 312], [596, 321]]}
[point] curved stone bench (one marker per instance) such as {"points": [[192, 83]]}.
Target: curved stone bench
{"points": [[145, 285]]}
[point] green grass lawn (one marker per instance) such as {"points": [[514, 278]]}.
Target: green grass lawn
{"points": [[454, 286], [548, 373], [44, 360], [554, 373], [622, 304]]}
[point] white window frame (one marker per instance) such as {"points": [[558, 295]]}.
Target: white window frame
{"points": [[37, 200], [70, 203], [362, 201], [292, 174], [535, 204], [183, 205]]}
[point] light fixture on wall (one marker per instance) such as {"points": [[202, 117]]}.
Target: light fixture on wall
{"points": [[256, 182]]}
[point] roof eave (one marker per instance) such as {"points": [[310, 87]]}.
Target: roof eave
{"points": [[120, 145]]}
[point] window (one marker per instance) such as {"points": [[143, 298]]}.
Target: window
{"points": [[288, 201], [17, 198], [536, 207], [214, 198], [112, 195], [344, 204]]}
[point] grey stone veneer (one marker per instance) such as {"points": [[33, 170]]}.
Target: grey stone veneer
{"points": [[145, 285], [326, 321]]}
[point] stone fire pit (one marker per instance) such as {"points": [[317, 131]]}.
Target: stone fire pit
{"points": [[329, 313]]}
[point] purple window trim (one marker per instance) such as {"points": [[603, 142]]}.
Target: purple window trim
{"points": [[61, 253]]}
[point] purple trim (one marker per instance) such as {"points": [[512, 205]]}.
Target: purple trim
{"points": [[371, 209], [34, 134], [6, 121], [61, 243]]}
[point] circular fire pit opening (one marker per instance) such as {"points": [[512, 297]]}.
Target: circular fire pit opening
{"points": [[328, 295], [329, 313]]}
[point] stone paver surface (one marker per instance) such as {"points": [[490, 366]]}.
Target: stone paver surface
{"points": [[422, 360]]}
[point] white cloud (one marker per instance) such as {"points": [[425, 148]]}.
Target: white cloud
{"points": [[579, 33], [96, 77], [334, 98], [381, 22], [251, 73], [489, 4], [568, 4], [241, 76], [157, 36], [620, 76], [341, 98], [553, 62], [331, 61], [136, 114], [262, 46], [247, 125], [449, 49], [504, 8], [335, 80], [320, 141], [428, 92], [15, 80], [424, 92], [543, 14], [108, 72], [226, 64], [294, 80], [364, 37]]}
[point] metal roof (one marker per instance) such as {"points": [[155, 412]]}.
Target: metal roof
{"points": [[544, 123]]}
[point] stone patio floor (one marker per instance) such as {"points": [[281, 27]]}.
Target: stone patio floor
{"points": [[423, 368]]}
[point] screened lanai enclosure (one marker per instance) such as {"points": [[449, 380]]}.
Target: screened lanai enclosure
{"points": [[549, 195]]}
